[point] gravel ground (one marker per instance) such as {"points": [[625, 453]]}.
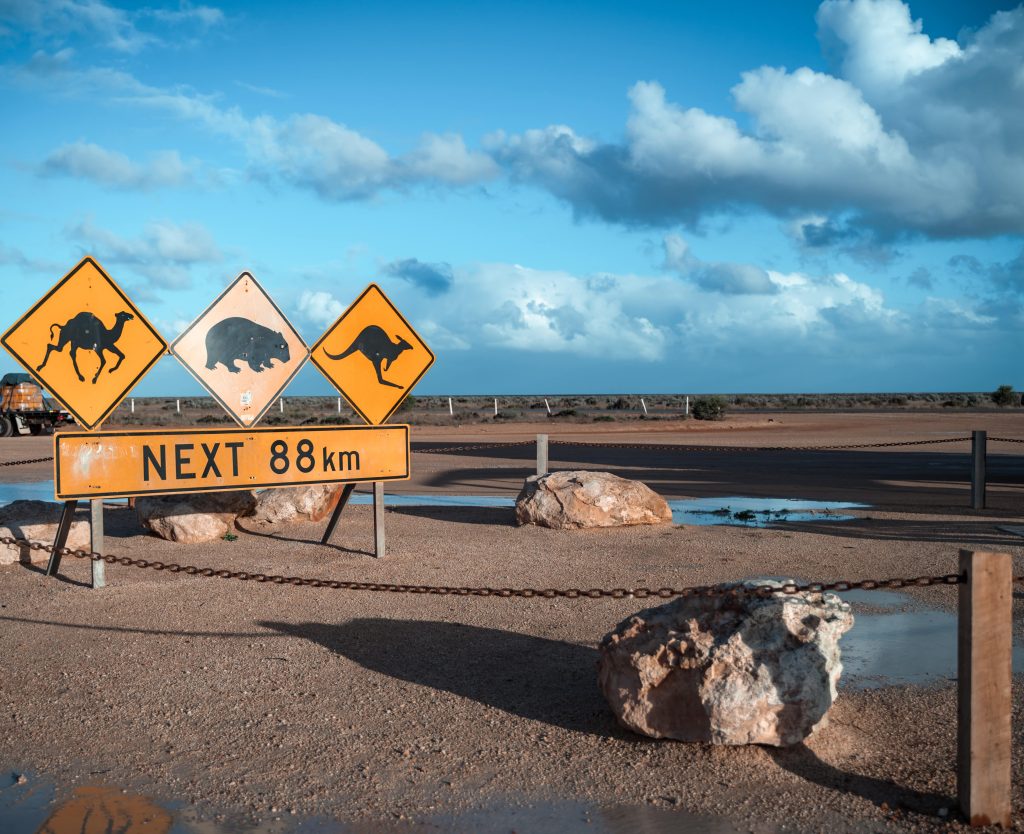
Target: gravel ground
{"points": [[258, 702]]}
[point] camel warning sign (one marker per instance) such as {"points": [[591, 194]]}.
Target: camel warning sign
{"points": [[86, 343], [242, 350], [372, 356], [111, 464]]}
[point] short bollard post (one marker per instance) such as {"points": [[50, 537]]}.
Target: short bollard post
{"points": [[979, 448], [542, 454], [96, 543], [984, 657], [378, 519]]}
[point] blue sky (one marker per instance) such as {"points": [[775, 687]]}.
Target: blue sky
{"points": [[565, 197]]}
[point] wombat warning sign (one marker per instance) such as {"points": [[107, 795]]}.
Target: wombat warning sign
{"points": [[372, 356], [243, 350]]}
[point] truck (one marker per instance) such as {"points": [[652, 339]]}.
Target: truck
{"points": [[25, 408]]}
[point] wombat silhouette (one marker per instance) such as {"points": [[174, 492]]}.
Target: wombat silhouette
{"points": [[86, 332], [235, 338], [376, 346]]}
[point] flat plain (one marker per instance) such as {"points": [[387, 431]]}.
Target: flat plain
{"points": [[252, 702]]}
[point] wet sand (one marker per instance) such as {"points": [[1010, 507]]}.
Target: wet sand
{"points": [[256, 701]]}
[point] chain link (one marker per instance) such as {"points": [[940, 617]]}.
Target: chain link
{"points": [[22, 462], [1006, 439], [524, 593]]}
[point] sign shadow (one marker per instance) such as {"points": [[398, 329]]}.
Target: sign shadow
{"points": [[544, 680]]}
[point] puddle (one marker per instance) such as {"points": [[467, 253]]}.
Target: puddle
{"points": [[897, 642], [732, 510], [30, 807], [757, 512]]}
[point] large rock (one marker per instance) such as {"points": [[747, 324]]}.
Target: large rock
{"points": [[312, 502], [588, 499], [189, 519], [727, 670], [36, 521]]}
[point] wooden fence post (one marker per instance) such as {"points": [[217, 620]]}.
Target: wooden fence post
{"points": [[979, 444], [542, 454], [984, 658]]}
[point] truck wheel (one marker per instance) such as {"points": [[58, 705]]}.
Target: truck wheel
{"points": [[36, 429], [6, 426]]}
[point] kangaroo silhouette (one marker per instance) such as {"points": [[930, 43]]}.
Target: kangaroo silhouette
{"points": [[86, 332], [376, 346]]}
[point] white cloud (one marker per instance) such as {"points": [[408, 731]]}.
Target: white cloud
{"points": [[728, 277], [914, 135], [164, 254], [89, 161], [319, 307], [99, 22]]}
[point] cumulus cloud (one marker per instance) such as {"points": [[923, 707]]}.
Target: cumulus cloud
{"points": [[730, 278], [163, 254], [117, 29], [319, 307], [433, 279], [911, 135], [1001, 278], [88, 161]]}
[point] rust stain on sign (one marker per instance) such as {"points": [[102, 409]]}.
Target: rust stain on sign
{"points": [[86, 343], [372, 356], [113, 464]]}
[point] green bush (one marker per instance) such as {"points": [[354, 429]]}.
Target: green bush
{"points": [[708, 408], [1004, 395]]}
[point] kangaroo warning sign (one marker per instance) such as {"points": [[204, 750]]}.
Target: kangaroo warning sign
{"points": [[372, 356], [242, 350], [86, 343], [113, 464]]}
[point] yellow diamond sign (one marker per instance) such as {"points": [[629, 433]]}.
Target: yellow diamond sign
{"points": [[372, 356], [243, 350], [86, 343]]}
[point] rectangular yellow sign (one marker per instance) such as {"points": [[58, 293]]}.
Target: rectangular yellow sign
{"points": [[111, 464]]}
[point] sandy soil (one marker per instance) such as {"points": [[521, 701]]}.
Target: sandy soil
{"points": [[258, 701]]}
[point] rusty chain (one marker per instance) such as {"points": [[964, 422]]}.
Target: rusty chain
{"points": [[682, 447], [22, 462], [526, 593]]}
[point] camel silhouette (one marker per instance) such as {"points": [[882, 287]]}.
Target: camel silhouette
{"points": [[87, 332]]}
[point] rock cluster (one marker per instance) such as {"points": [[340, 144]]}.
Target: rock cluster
{"points": [[575, 499], [311, 502], [727, 670]]}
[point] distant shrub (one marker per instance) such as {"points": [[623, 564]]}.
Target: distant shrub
{"points": [[335, 420], [565, 412], [213, 418], [604, 418], [1004, 395], [620, 404], [708, 408]]}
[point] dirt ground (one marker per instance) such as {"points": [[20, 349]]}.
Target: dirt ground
{"points": [[398, 712]]}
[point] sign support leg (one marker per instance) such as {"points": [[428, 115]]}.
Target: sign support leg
{"points": [[378, 519], [63, 528], [96, 543], [346, 493]]}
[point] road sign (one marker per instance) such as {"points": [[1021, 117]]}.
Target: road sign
{"points": [[243, 350], [114, 464], [372, 356], [86, 343]]}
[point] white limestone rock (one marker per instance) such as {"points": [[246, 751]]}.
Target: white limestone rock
{"points": [[189, 519], [36, 521], [575, 499], [310, 502], [727, 670]]}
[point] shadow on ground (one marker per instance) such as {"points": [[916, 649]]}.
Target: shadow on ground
{"points": [[544, 680]]}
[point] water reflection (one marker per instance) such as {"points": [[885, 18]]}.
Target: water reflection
{"points": [[107, 811]]}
